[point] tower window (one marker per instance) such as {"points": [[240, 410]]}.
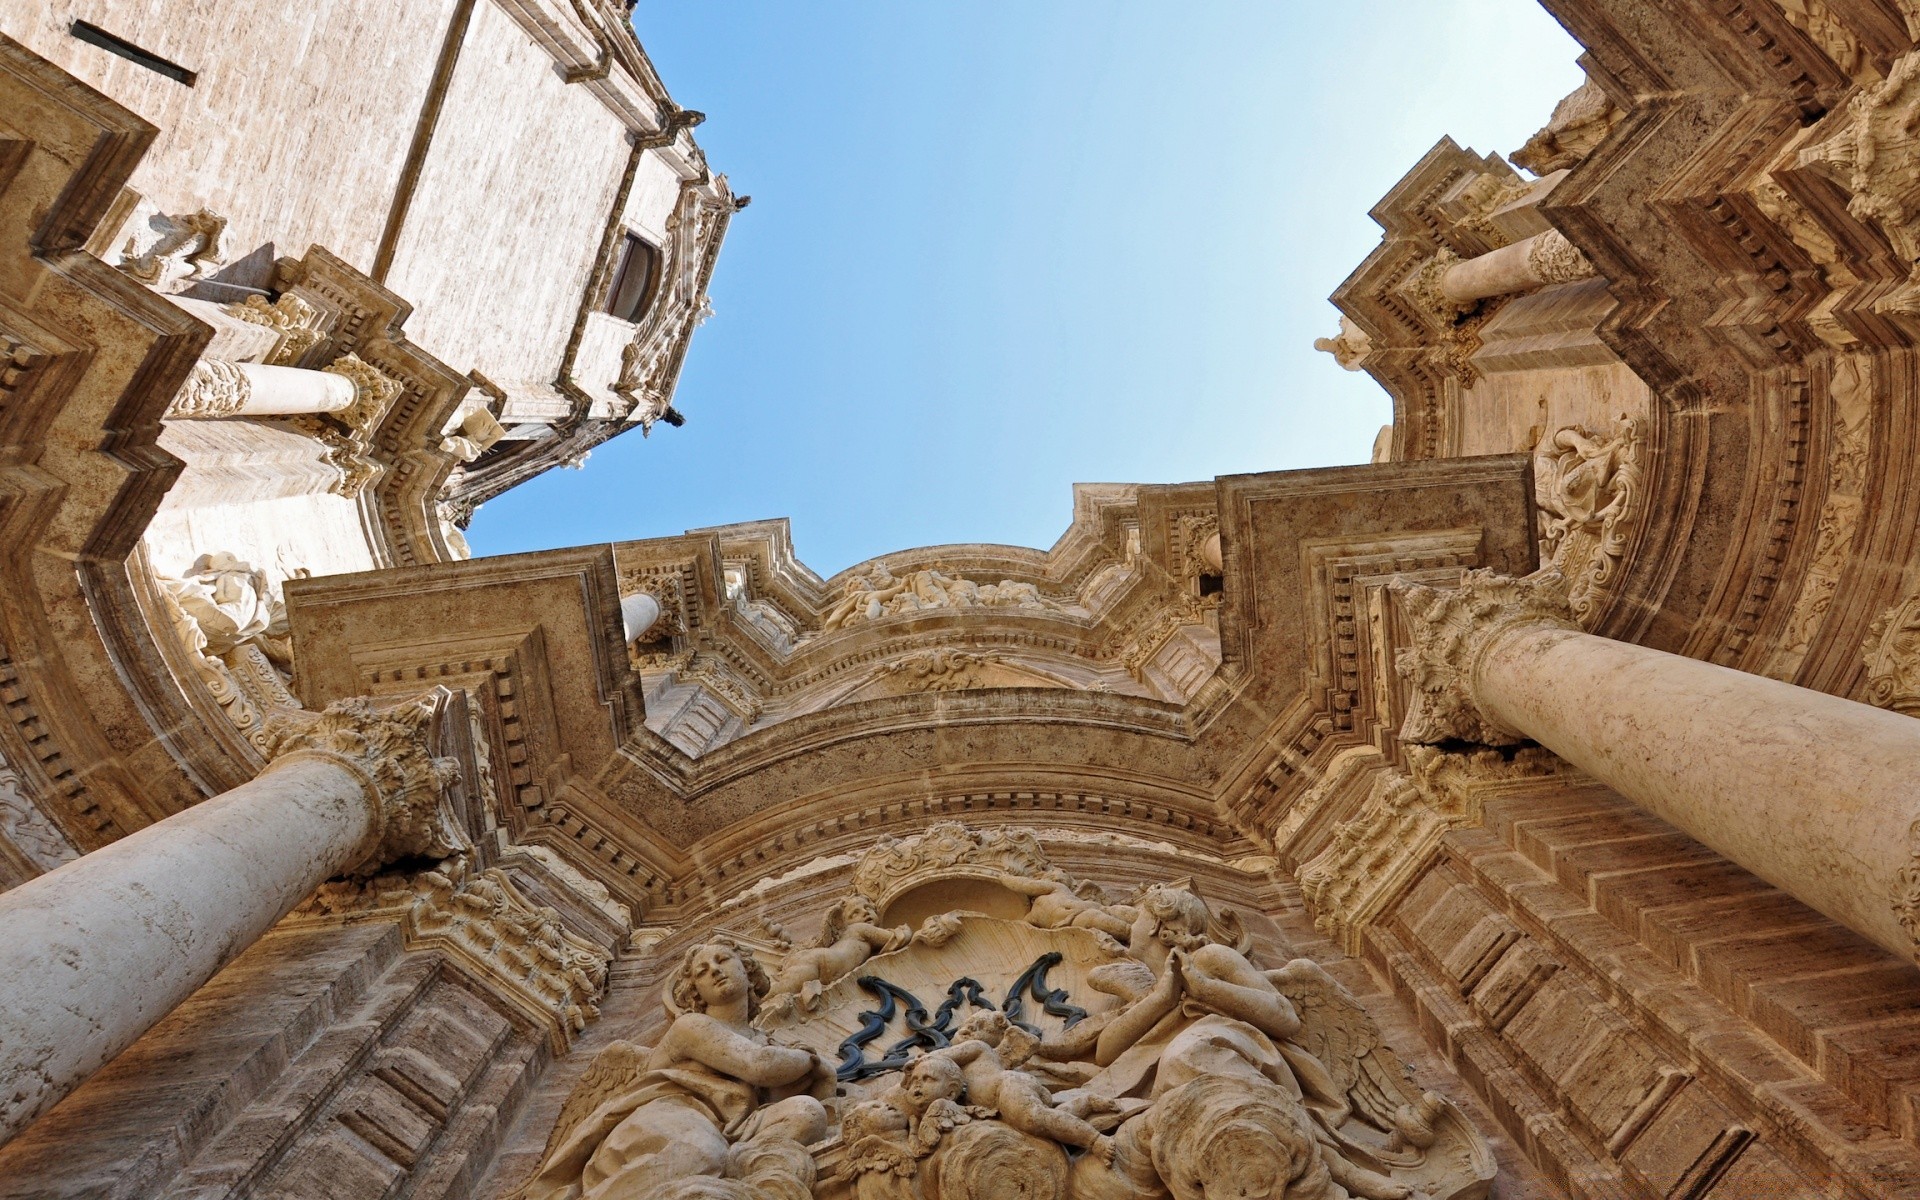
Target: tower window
{"points": [[93, 35], [632, 279]]}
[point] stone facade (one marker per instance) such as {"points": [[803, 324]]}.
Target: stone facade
{"points": [[1526, 814]]}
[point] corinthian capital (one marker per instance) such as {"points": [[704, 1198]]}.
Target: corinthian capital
{"points": [[1452, 628], [389, 746]]}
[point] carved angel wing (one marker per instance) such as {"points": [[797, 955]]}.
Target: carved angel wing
{"points": [[612, 1070], [1344, 1038]]}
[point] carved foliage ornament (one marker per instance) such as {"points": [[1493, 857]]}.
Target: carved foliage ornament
{"points": [[1452, 628], [387, 746], [213, 389], [296, 321]]}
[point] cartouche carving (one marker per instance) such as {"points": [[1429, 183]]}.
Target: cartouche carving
{"points": [[388, 747], [1451, 628], [1588, 489]]}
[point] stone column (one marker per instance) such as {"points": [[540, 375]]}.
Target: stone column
{"points": [[1818, 795], [1534, 262], [99, 949], [218, 388]]}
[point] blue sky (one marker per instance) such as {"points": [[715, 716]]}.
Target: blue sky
{"points": [[999, 247]]}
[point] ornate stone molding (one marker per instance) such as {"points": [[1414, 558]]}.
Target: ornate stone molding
{"points": [[388, 748], [1451, 628], [1891, 653], [523, 948], [1388, 843], [214, 389]]}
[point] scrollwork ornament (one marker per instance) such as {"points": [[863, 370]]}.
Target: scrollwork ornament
{"points": [[388, 747], [1452, 628]]}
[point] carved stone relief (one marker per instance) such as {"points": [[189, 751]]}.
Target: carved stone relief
{"points": [[1850, 393], [169, 253], [518, 945], [1372, 856], [297, 322], [1579, 122], [1349, 347], [1089, 1049], [26, 828], [1588, 489], [228, 621], [880, 594], [214, 389]]}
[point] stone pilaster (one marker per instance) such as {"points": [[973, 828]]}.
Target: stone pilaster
{"points": [[1452, 628]]}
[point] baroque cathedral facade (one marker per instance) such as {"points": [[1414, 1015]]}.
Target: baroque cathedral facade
{"points": [[1528, 813]]}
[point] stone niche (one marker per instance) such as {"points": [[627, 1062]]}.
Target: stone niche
{"points": [[974, 1023]]}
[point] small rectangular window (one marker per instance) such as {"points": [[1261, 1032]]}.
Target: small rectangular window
{"points": [[632, 280], [93, 35]]}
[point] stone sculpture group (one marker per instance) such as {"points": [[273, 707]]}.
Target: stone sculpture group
{"points": [[1194, 1073]]}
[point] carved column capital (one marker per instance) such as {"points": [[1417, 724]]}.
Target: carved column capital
{"points": [[389, 747], [214, 389], [1452, 629], [1551, 258]]}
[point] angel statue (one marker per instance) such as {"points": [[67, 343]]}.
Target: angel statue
{"points": [[714, 1110], [852, 934], [1263, 1082]]}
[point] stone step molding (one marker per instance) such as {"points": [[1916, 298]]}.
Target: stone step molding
{"points": [[1811, 792], [101, 948]]}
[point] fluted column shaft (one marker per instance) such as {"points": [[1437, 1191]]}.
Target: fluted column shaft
{"points": [[1818, 795], [94, 953]]}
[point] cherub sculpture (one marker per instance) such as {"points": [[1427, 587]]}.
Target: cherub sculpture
{"points": [[1055, 902], [1215, 1030], [851, 935], [989, 1049], [887, 1137], [714, 1099]]}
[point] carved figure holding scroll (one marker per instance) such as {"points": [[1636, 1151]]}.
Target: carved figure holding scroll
{"points": [[713, 1100], [1022, 1100], [851, 935], [1056, 903]]}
